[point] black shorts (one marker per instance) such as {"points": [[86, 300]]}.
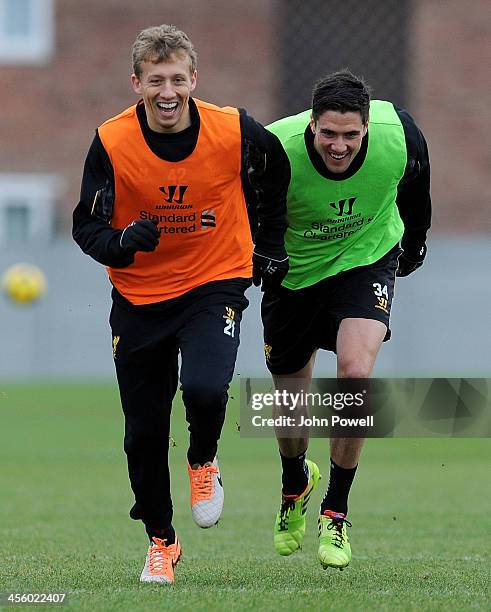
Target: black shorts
{"points": [[297, 322], [202, 321]]}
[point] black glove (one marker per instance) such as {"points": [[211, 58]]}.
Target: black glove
{"points": [[410, 259], [140, 236], [270, 271]]}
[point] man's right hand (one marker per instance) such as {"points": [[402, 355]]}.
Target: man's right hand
{"points": [[268, 271], [140, 236]]}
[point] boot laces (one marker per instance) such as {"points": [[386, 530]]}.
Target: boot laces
{"points": [[336, 525], [202, 481], [160, 555]]}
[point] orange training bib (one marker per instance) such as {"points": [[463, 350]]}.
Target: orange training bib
{"points": [[199, 204]]}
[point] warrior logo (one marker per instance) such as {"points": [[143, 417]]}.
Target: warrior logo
{"points": [[341, 205], [229, 317], [170, 192]]}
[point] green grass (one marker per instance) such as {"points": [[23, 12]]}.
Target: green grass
{"points": [[420, 511]]}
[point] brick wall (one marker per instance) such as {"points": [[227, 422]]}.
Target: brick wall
{"points": [[50, 113], [451, 100]]}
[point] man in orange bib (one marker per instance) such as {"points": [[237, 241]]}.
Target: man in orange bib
{"points": [[172, 188]]}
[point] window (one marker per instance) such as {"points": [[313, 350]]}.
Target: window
{"points": [[26, 31], [27, 207]]}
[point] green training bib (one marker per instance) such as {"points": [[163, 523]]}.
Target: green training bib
{"points": [[334, 226]]}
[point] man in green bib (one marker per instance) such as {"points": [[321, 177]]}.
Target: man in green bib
{"points": [[359, 209]]}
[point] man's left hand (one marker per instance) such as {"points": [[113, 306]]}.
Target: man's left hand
{"points": [[410, 260]]}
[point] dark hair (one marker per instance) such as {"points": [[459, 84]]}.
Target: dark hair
{"points": [[342, 92]]}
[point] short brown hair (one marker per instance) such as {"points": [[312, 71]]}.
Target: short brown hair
{"points": [[158, 43], [342, 92]]}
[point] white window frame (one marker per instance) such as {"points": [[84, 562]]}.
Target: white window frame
{"points": [[37, 47], [37, 192]]}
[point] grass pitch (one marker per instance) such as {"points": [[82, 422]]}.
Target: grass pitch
{"points": [[420, 511]]}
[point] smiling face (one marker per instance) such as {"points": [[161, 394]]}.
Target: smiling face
{"points": [[166, 87], [337, 138]]}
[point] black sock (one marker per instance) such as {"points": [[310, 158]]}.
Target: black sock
{"points": [[166, 533], [294, 477], [200, 458], [340, 480]]}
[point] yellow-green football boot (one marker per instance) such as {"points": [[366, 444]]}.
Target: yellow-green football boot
{"points": [[334, 546], [289, 527]]}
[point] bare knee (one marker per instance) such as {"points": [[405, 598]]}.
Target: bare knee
{"points": [[354, 369]]}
